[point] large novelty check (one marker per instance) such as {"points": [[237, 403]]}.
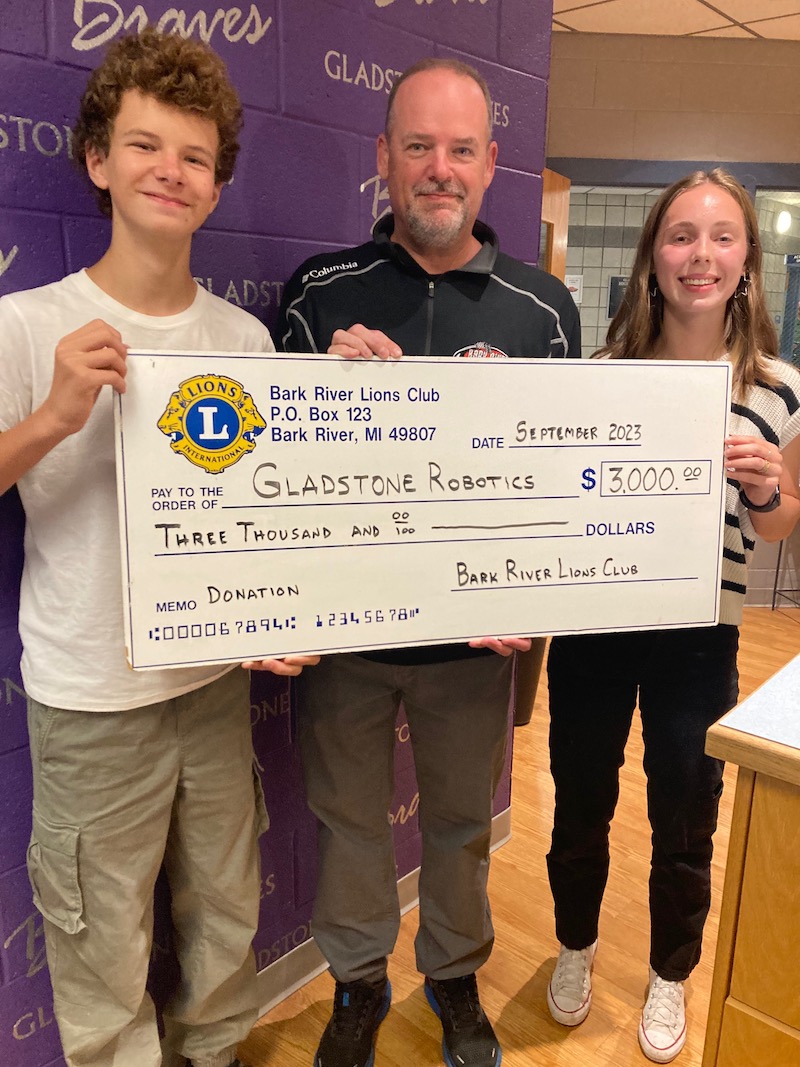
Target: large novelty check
{"points": [[280, 504]]}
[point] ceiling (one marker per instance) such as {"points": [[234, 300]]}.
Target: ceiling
{"points": [[770, 19]]}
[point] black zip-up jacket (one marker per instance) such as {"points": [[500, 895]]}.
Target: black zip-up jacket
{"points": [[493, 306], [492, 302]]}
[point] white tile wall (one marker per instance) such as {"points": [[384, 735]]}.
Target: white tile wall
{"points": [[634, 215], [598, 263]]}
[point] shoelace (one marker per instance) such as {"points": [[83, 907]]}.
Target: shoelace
{"points": [[461, 1003], [350, 1014], [571, 971], [664, 1003]]}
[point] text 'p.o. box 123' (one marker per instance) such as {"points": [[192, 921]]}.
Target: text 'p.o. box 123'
{"points": [[301, 503]]}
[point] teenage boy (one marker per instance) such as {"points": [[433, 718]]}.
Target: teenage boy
{"points": [[130, 768]]}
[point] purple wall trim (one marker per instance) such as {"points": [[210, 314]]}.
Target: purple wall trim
{"points": [[314, 76]]}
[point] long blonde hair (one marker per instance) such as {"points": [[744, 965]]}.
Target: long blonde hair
{"points": [[750, 337]]}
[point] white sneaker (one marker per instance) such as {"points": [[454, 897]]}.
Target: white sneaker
{"points": [[662, 1031], [569, 994]]}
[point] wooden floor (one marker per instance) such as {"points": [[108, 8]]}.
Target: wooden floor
{"points": [[514, 981]]}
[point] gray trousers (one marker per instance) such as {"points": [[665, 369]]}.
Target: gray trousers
{"points": [[458, 721], [115, 794]]}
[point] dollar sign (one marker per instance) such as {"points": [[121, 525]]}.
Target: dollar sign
{"points": [[589, 480]]}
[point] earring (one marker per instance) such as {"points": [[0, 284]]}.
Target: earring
{"points": [[743, 288], [653, 287]]}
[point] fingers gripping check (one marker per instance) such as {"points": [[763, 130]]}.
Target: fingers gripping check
{"points": [[85, 361]]}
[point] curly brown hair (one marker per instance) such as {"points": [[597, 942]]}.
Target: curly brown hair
{"points": [[174, 70], [750, 337]]}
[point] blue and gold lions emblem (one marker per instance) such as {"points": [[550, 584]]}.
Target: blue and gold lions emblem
{"points": [[211, 421]]}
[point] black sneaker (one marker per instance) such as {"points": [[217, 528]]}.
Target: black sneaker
{"points": [[468, 1039], [359, 1008]]}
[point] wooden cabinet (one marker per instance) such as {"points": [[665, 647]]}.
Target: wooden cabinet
{"points": [[754, 1016], [750, 1040]]}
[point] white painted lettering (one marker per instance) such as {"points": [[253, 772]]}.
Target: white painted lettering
{"points": [[232, 295], [369, 75], [33, 929], [52, 131], [248, 293], [21, 123], [6, 261], [380, 194], [47, 138], [100, 21], [332, 64]]}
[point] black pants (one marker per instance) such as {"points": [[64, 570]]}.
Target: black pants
{"points": [[686, 679]]}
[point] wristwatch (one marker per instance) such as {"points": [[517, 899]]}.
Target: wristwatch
{"points": [[773, 502]]}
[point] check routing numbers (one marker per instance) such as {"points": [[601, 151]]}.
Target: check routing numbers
{"points": [[333, 504]]}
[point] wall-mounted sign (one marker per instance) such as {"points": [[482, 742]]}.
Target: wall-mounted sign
{"points": [[574, 282], [617, 284]]}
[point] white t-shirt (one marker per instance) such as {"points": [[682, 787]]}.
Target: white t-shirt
{"points": [[71, 615]]}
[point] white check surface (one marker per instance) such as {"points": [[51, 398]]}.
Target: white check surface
{"points": [[419, 501]]}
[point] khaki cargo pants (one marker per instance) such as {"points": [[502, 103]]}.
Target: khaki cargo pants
{"points": [[115, 794]]}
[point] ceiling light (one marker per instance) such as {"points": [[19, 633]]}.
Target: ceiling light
{"points": [[783, 223]]}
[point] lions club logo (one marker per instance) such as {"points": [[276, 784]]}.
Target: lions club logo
{"points": [[211, 421]]}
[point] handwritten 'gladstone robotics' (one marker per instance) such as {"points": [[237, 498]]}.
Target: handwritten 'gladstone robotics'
{"points": [[270, 484]]}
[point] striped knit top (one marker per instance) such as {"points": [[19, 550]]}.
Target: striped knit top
{"points": [[771, 412]]}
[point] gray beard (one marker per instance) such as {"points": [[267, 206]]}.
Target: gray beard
{"points": [[429, 232]]}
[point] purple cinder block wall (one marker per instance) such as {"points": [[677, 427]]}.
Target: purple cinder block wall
{"points": [[314, 77]]}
